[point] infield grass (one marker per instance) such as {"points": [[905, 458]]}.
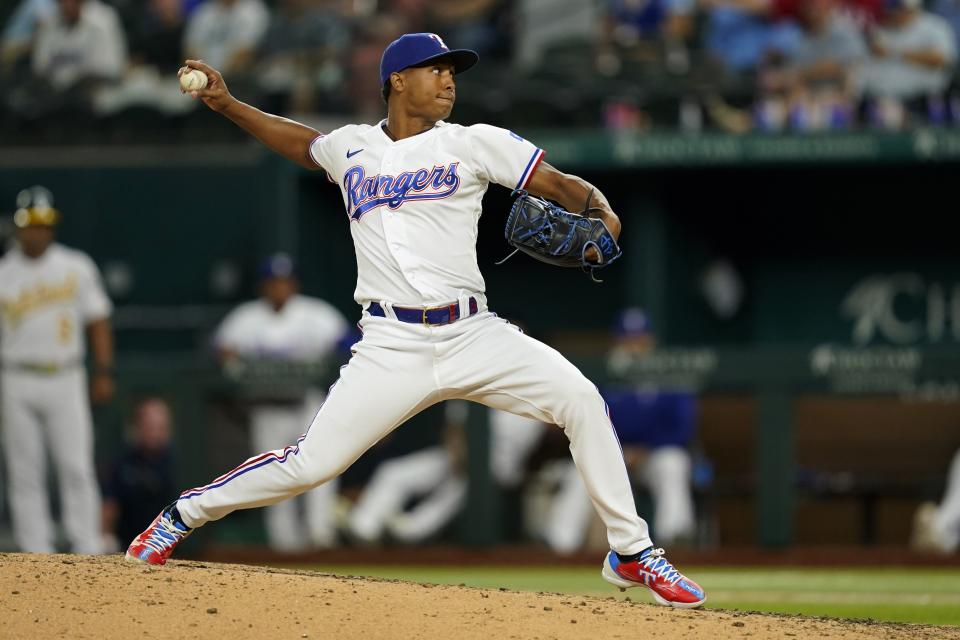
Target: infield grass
{"points": [[928, 596]]}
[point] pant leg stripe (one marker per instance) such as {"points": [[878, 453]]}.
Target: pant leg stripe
{"points": [[260, 460], [256, 463]]}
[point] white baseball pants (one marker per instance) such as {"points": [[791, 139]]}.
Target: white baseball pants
{"points": [[666, 472], [399, 369], [50, 411]]}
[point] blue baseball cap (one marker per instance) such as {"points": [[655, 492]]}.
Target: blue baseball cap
{"points": [[633, 323], [279, 265], [412, 49]]}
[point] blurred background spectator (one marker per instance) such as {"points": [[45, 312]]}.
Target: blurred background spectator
{"points": [[936, 527], [912, 54], [656, 428], [693, 65], [140, 481], [815, 87], [473, 24], [82, 43], [742, 34], [21, 29], [226, 33], [411, 498], [300, 60], [273, 341], [78, 50], [54, 312], [157, 36]]}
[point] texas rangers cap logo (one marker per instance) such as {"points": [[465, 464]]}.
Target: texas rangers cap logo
{"points": [[440, 40]]}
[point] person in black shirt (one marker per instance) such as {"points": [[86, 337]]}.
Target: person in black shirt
{"points": [[143, 476]]}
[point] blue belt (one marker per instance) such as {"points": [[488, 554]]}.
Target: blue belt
{"points": [[430, 316]]}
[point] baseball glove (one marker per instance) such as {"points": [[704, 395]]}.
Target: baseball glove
{"points": [[558, 237]]}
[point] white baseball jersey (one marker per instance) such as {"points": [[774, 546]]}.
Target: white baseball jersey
{"points": [[46, 302], [304, 329], [414, 204]]}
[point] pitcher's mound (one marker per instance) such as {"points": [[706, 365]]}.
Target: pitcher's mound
{"points": [[60, 596]]}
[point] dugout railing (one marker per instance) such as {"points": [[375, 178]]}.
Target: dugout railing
{"points": [[783, 388]]}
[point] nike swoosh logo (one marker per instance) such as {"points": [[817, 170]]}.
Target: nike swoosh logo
{"points": [[350, 154]]}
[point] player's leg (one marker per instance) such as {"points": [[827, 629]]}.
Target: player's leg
{"points": [[270, 429], [492, 362], [26, 462], [432, 513], [936, 527], [393, 483], [320, 503], [387, 381], [497, 365], [383, 385], [320, 508], [568, 519], [71, 444], [512, 440], [947, 519], [666, 472]]}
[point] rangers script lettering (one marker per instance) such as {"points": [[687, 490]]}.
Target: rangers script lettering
{"points": [[365, 193]]}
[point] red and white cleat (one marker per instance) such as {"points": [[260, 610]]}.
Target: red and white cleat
{"points": [[155, 545], [654, 571]]}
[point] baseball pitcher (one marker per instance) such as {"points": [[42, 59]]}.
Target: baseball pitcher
{"points": [[412, 187]]}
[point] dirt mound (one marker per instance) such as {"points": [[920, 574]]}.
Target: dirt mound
{"points": [[47, 596]]}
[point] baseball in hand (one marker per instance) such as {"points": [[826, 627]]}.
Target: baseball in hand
{"points": [[193, 80]]}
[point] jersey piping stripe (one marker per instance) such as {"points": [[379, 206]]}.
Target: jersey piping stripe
{"points": [[623, 458], [606, 409], [530, 170]]}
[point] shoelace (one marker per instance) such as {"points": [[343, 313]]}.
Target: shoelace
{"points": [[165, 535], [658, 565]]}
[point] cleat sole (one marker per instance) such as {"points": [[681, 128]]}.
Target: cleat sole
{"points": [[676, 605]]}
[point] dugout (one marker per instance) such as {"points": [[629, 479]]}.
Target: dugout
{"points": [[834, 400]]}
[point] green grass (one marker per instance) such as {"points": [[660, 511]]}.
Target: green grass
{"points": [[928, 596]]}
